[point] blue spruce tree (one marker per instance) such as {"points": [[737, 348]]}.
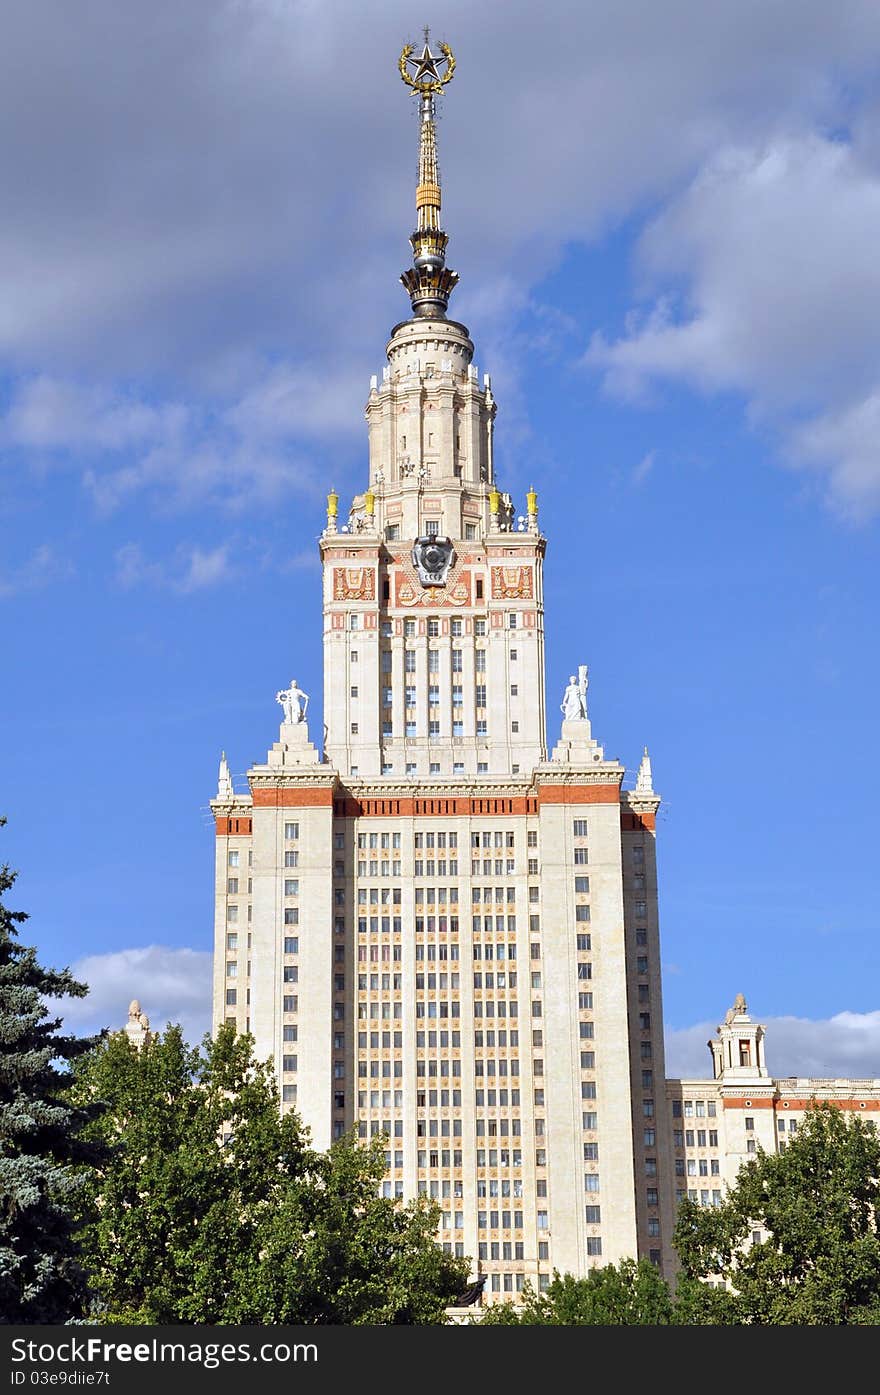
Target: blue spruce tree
{"points": [[43, 1157]]}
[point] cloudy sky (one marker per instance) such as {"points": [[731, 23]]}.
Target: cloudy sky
{"points": [[665, 219]]}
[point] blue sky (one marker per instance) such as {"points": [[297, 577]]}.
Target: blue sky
{"points": [[666, 231]]}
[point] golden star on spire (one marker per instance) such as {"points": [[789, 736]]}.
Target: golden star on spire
{"points": [[431, 70]]}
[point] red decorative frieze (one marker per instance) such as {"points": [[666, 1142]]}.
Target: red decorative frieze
{"points": [[512, 583], [578, 794], [292, 796], [354, 584]]}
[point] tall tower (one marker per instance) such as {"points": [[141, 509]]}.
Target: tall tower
{"points": [[439, 934]]}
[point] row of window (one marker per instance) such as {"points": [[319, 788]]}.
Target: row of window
{"points": [[698, 1108], [433, 626], [690, 1138], [698, 1167]]}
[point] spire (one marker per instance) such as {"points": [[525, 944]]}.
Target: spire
{"points": [[644, 779], [224, 779], [429, 282]]}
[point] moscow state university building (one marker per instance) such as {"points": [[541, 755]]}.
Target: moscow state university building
{"points": [[442, 930]]}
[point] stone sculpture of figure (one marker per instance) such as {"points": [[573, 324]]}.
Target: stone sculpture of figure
{"points": [[574, 699], [294, 702]]}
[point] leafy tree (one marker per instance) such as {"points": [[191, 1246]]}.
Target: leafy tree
{"points": [[212, 1208], [628, 1294], [41, 1144], [818, 1203]]}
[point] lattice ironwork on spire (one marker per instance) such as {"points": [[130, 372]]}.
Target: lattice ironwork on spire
{"points": [[429, 281]]}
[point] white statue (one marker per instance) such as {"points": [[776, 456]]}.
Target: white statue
{"points": [[294, 702], [574, 699]]}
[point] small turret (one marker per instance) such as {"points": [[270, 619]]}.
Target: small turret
{"points": [[224, 779], [644, 779]]}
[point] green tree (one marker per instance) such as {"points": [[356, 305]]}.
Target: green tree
{"points": [[628, 1294], [817, 1202], [41, 1143], [212, 1208]]}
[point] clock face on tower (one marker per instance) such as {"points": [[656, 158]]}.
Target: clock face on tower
{"points": [[432, 558]]}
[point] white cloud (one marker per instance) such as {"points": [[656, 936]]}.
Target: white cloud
{"points": [[233, 452], [846, 1045], [644, 467], [773, 252], [190, 569], [226, 201], [48, 413], [43, 567], [172, 985]]}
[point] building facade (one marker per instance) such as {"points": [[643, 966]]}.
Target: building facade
{"points": [[719, 1124], [439, 930]]}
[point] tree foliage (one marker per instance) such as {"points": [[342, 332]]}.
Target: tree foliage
{"points": [[818, 1204], [41, 1143], [628, 1294], [212, 1208]]}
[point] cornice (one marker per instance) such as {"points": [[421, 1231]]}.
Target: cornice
{"points": [[641, 802], [606, 773]]}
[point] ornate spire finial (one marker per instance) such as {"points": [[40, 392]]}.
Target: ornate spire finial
{"points": [[224, 779], [430, 282], [644, 779]]}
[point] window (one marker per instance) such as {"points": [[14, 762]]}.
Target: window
{"points": [[511, 620], [392, 532], [233, 858], [352, 622], [433, 628], [594, 1245], [232, 940], [432, 527], [231, 997], [291, 830], [580, 828], [750, 1124]]}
